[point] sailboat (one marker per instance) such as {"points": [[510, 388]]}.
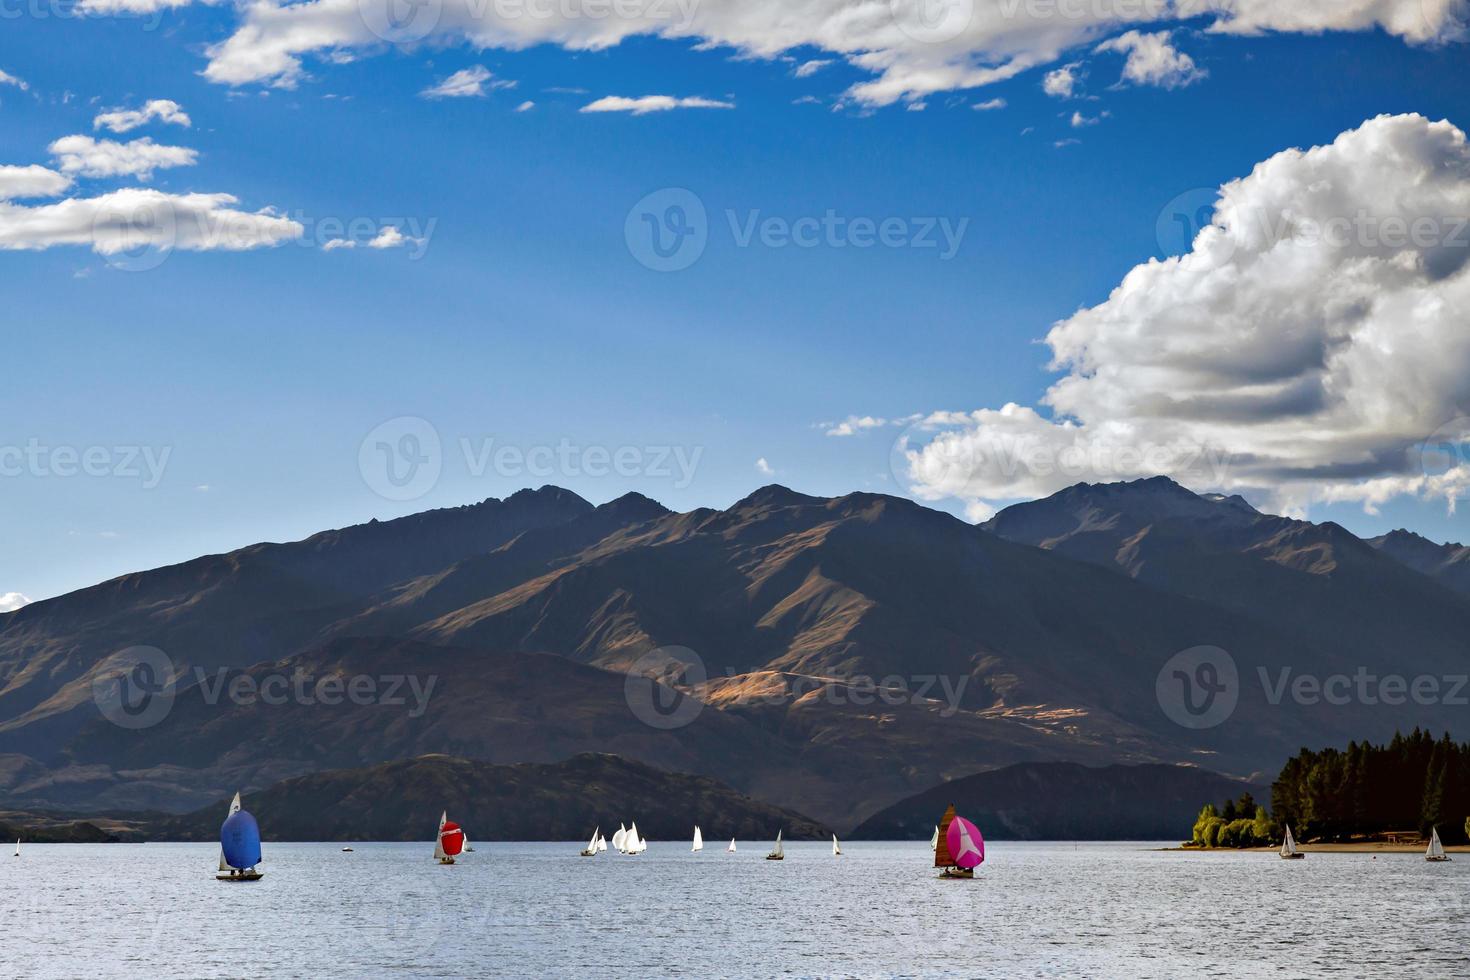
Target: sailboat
{"points": [[620, 839], [17, 847], [959, 847], [635, 843], [1436, 849], [346, 850], [934, 841], [698, 839], [591, 849], [601, 843], [731, 848], [836, 847], [239, 845], [1288, 847], [777, 854], [450, 842]]}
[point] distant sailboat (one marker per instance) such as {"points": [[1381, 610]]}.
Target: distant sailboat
{"points": [[601, 843], [934, 841], [836, 847], [1436, 849], [346, 850], [777, 854], [239, 845], [1288, 847], [620, 839], [959, 847], [731, 848], [17, 847], [635, 843], [591, 849], [450, 842], [698, 839]]}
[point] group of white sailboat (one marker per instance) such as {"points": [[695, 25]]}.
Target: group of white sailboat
{"points": [[1435, 851], [628, 841]]}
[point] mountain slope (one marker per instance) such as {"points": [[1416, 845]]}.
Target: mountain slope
{"points": [[1063, 801], [1448, 564], [559, 802]]}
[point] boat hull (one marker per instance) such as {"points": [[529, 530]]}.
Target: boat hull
{"points": [[241, 876], [1437, 859], [775, 857], [588, 854], [1292, 857], [957, 873], [446, 860]]}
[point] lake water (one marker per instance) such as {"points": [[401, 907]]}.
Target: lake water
{"points": [[1093, 910]]}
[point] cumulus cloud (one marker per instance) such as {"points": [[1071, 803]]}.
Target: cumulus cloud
{"points": [[31, 181], [387, 237], [989, 105], [11, 601], [1308, 346], [126, 120], [1061, 82], [465, 83], [907, 51], [1153, 60], [852, 425], [128, 219], [764, 468], [88, 157], [652, 103]]}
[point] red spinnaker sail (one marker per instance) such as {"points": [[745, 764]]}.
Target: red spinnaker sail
{"points": [[451, 838]]}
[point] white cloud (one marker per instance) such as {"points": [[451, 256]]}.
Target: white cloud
{"points": [[808, 68], [8, 79], [127, 219], [1153, 60], [852, 425], [1306, 347], [989, 105], [908, 54], [652, 103], [764, 468], [1080, 121], [1062, 82], [90, 157], [1060, 144], [31, 181], [526, 106], [387, 237], [126, 120], [11, 601], [465, 83]]}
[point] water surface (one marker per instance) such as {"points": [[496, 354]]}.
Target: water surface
{"points": [[1094, 910]]}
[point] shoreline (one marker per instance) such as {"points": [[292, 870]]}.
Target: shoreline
{"points": [[1366, 847]]}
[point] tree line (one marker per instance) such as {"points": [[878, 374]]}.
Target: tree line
{"points": [[1413, 783]]}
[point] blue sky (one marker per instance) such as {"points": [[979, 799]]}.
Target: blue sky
{"points": [[523, 316]]}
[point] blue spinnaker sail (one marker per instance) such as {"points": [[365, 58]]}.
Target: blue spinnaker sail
{"points": [[239, 838]]}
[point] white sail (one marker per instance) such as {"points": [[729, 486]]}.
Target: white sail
{"points": [[1436, 849], [1288, 846], [777, 849], [439, 837], [601, 843], [698, 839], [223, 864], [635, 844], [592, 843], [620, 839], [836, 847], [934, 841], [17, 847], [731, 848]]}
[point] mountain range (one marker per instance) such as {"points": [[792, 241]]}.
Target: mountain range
{"points": [[832, 656]]}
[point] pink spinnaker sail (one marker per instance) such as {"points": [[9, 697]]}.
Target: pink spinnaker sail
{"points": [[966, 846]]}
